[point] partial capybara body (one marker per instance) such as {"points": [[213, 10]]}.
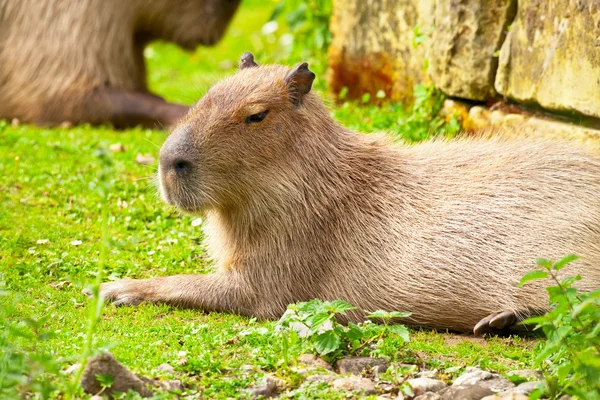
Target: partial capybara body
{"points": [[298, 207], [82, 60]]}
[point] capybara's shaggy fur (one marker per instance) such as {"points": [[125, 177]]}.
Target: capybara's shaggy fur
{"points": [[82, 60], [298, 207]]}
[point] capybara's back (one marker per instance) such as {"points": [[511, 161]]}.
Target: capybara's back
{"points": [[82, 60], [299, 207]]}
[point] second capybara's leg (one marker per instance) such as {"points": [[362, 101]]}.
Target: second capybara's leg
{"points": [[136, 108], [211, 292]]}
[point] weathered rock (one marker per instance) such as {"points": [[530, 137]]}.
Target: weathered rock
{"points": [[428, 374], [429, 396], [267, 388], [496, 385], [320, 378], [314, 361], [423, 385], [506, 397], [472, 377], [355, 384], [123, 379], [174, 384], [466, 36], [526, 373], [524, 388], [372, 46], [165, 367], [357, 365], [551, 56], [464, 392]]}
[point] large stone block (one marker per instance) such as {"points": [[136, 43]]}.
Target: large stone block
{"points": [[466, 36], [372, 46], [551, 56]]}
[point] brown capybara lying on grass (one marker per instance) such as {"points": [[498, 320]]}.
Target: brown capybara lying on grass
{"points": [[298, 207], [82, 60]]}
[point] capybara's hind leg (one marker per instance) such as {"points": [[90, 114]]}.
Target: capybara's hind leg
{"points": [[137, 108], [504, 322]]}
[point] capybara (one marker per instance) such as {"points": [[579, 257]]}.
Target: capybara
{"points": [[82, 60], [298, 207]]}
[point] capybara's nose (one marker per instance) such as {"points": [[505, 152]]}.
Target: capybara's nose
{"points": [[174, 163]]}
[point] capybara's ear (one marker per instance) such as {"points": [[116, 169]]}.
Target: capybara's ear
{"points": [[299, 82], [247, 61]]}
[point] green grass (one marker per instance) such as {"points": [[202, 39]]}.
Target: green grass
{"points": [[48, 204]]}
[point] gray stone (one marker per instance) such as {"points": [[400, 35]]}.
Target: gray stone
{"points": [[429, 396], [423, 385], [526, 373], [524, 388], [466, 36], [174, 384], [428, 374], [166, 368], [512, 396], [314, 361], [464, 392], [267, 388], [320, 378], [473, 376], [496, 385], [357, 365], [123, 379], [355, 384], [551, 56]]}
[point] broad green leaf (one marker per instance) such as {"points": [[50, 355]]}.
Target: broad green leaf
{"points": [[564, 261], [105, 380], [401, 331], [379, 314], [531, 276], [327, 342], [316, 321], [353, 332], [339, 306], [542, 262], [397, 314]]}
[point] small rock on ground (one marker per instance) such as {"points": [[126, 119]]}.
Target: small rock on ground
{"points": [[267, 388], [175, 384], [165, 367], [512, 396], [423, 385], [314, 361], [144, 159], [355, 384], [473, 376], [527, 373], [356, 365], [524, 388], [429, 396], [123, 379], [464, 392], [496, 385]]}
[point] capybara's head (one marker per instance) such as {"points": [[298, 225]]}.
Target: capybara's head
{"points": [[188, 23], [246, 135]]}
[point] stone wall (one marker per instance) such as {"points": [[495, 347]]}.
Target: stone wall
{"points": [[542, 53]]}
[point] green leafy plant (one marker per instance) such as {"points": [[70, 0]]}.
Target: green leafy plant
{"points": [[570, 357], [313, 325]]}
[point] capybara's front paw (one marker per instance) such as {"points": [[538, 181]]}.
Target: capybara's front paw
{"points": [[126, 292]]}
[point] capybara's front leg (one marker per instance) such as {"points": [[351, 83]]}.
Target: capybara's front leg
{"points": [[137, 108], [212, 292]]}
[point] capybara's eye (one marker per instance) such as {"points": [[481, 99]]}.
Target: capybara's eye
{"points": [[256, 117]]}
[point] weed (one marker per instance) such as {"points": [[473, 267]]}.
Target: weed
{"points": [[314, 326], [570, 357]]}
